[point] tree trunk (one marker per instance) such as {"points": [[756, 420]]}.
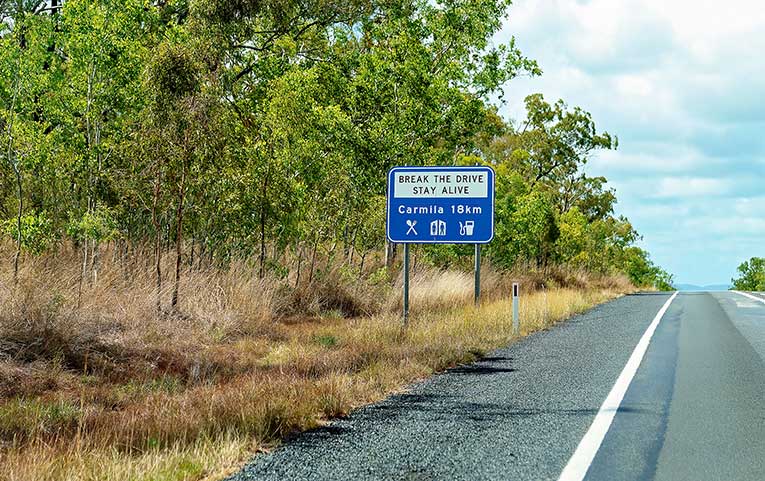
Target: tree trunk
{"points": [[361, 266], [390, 254], [19, 212], [346, 244], [94, 259], [17, 170], [158, 240], [179, 237], [191, 255], [299, 264], [313, 259], [352, 249], [83, 272], [330, 257], [202, 253], [262, 272], [116, 249]]}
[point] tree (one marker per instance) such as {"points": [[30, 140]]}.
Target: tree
{"points": [[182, 120], [547, 205], [555, 142], [637, 264], [25, 58], [589, 195], [525, 222], [550, 148], [102, 54], [751, 275]]}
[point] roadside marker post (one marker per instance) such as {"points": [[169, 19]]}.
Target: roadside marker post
{"points": [[516, 309], [547, 307], [440, 205]]}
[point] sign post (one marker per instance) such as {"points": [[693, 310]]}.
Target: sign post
{"points": [[477, 269], [440, 205], [406, 284]]}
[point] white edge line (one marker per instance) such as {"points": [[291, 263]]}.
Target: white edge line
{"points": [[750, 296], [580, 462]]}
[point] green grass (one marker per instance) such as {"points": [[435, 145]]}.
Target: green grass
{"points": [[326, 340], [29, 418]]}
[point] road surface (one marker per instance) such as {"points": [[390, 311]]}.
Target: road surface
{"points": [[649, 386]]}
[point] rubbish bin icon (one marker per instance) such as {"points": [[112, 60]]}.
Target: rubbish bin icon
{"points": [[466, 229]]}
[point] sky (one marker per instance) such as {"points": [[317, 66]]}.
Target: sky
{"points": [[682, 84]]}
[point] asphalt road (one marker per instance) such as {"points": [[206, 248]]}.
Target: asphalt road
{"points": [[693, 408]]}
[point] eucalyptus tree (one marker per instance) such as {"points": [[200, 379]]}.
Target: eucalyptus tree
{"points": [[25, 61], [550, 148], [554, 142], [104, 47], [188, 132], [266, 51]]}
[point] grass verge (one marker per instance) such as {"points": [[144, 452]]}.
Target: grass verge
{"points": [[106, 391], [321, 370]]}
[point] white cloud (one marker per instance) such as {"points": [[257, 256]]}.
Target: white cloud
{"points": [[682, 83], [750, 206], [689, 187]]}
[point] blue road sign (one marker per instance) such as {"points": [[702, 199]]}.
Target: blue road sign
{"points": [[441, 205]]}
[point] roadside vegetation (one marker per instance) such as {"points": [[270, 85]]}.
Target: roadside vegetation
{"points": [[192, 202], [108, 391], [751, 275]]}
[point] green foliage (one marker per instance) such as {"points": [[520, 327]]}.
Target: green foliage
{"points": [[173, 73], [380, 276], [251, 129], [573, 244], [548, 209], [37, 234], [525, 229], [643, 273], [448, 255], [98, 226], [751, 275]]}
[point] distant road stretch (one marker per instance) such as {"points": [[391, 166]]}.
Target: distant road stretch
{"points": [[650, 386]]}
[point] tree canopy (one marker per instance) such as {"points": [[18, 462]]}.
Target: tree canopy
{"points": [[751, 275], [242, 129]]}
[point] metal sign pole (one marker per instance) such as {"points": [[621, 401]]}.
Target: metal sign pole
{"points": [[516, 316], [406, 284], [477, 274]]}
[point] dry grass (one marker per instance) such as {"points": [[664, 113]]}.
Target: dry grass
{"points": [[109, 390], [201, 460]]}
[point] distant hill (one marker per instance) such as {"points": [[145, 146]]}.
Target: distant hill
{"points": [[693, 287]]}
